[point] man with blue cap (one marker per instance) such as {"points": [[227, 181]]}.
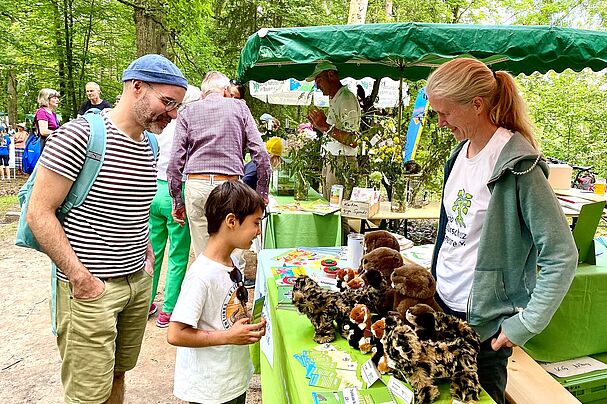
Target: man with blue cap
{"points": [[101, 249]]}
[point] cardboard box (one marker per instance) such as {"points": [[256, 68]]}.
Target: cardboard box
{"points": [[560, 176], [358, 210]]}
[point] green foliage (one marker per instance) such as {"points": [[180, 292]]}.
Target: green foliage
{"points": [[570, 113]]}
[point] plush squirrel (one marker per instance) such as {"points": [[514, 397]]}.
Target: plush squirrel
{"points": [[361, 317], [380, 238], [379, 358], [345, 279], [413, 284]]}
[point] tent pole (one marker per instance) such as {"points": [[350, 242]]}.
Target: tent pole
{"points": [[400, 105]]}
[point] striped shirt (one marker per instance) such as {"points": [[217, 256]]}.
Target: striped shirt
{"points": [[109, 231]]}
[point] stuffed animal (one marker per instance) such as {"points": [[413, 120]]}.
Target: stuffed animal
{"points": [[323, 306], [344, 277], [379, 358], [422, 362], [433, 325], [360, 316], [384, 260], [413, 284], [380, 238]]}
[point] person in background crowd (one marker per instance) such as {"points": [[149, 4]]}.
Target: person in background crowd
{"points": [[93, 92], [45, 120], [504, 255], [104, 259], [5, 144], [237, 90], [342, 122], [163, 227], [20, 138], [210, 151], [210, 324]]}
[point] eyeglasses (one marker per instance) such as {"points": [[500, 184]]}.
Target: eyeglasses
{"points": [[241, 292], [235, 82], [169, 103], [53, 96]]}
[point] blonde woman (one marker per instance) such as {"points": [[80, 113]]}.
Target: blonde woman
{"points": [[45, 119], [499, 221]]}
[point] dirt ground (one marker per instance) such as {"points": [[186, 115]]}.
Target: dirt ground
{"points": [[29, 359]]}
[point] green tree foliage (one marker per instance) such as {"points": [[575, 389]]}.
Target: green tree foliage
{"points": [[570, 114]]}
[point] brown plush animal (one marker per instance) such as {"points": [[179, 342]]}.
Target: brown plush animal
{"points": [[380, 238], [413, 284], [384, 260]]}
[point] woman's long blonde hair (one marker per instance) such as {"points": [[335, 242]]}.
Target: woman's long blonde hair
{"points": [[462, 79]]}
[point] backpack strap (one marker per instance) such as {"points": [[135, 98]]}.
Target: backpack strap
{"points": [[95, 153], [153, 143]]}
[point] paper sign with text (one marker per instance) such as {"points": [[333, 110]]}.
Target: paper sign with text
{"points": [[400, 390], [574, 367], [369, 373]]}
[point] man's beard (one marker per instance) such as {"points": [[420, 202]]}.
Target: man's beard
{"points": [[151, 122]]}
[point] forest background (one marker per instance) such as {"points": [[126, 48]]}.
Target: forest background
{"points": [[63, 44]]}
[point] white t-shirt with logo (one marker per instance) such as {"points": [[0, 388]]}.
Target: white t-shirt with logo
{"points": [[208, 301], [344, 113], [466, 198]]}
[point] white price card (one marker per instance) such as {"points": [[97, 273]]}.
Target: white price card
{"points": [[574, 367], [369, 373], [400, 390], [351, 395]]}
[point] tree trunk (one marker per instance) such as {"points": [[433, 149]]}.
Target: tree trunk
{"points": [[151, 36], [388, 9], [358, 11], [12, 97]]}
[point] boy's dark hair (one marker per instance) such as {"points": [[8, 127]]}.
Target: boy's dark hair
{"points": [[231, 197]]}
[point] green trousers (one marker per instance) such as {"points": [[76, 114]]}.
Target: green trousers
{"points": [[163, 228]]}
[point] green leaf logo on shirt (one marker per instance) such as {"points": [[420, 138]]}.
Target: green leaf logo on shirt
{"points": [[461, 205]]}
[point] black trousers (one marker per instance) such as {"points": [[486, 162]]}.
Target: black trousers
{"points": [[492, 365]]}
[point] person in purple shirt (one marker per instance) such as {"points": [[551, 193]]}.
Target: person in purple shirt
{"points": [[210, 138], [45, 119]]}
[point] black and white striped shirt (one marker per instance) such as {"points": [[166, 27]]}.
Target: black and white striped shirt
{"points": [[109, 231]]}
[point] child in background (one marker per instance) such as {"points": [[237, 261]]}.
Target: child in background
{"points": [[210, 322], [5, 143]]}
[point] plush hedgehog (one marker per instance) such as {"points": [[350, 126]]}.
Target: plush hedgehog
{"points": [[413, 284], [380, 238], [422, 362], [324, 306]]}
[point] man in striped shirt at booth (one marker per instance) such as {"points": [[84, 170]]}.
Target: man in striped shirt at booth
{"points": [[104, 259]]}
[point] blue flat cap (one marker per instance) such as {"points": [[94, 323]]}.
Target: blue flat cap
{"points": [[154, 68]]}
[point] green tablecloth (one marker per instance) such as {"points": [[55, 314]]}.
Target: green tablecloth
{"points": [[290, 229], [284, 381], [579, 326]]}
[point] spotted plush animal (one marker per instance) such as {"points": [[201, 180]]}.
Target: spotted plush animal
{"points": [[323, 306], [422, 362], [433, 325]]}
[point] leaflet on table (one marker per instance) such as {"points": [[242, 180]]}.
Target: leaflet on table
{"points": [[266, 343], [329, 368], [310, 256], [347, 396], [286, 275], [420, 254]]}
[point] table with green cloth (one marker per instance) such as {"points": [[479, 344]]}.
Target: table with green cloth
{"points": [[287, 228], [579, 325], [283, 378]]}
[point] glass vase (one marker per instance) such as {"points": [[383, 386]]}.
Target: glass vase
{"points": [[301, 188], [398, 202]]}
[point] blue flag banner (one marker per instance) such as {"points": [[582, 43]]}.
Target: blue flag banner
{"points": [[415, 125]]}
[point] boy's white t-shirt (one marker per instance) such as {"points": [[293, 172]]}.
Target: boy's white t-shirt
{"points": [[208, 301], [466, 199]]}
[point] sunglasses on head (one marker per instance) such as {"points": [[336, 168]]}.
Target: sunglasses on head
{"points": [[241, 292]]}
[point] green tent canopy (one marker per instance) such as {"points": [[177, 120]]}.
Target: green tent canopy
{"points": [[412, 50]]}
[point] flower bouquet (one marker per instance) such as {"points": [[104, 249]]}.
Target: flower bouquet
{"points": [[303, 159]]}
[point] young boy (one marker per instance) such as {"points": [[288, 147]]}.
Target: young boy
{"points": [[210, 324]]}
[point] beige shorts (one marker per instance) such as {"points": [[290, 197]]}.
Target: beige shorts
{"points": [[100, 336]]}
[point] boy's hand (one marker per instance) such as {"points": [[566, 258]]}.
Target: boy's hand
{"points": [[243, 333]]}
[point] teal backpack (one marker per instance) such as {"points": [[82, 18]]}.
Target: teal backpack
{"points": [[95, 154]]}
